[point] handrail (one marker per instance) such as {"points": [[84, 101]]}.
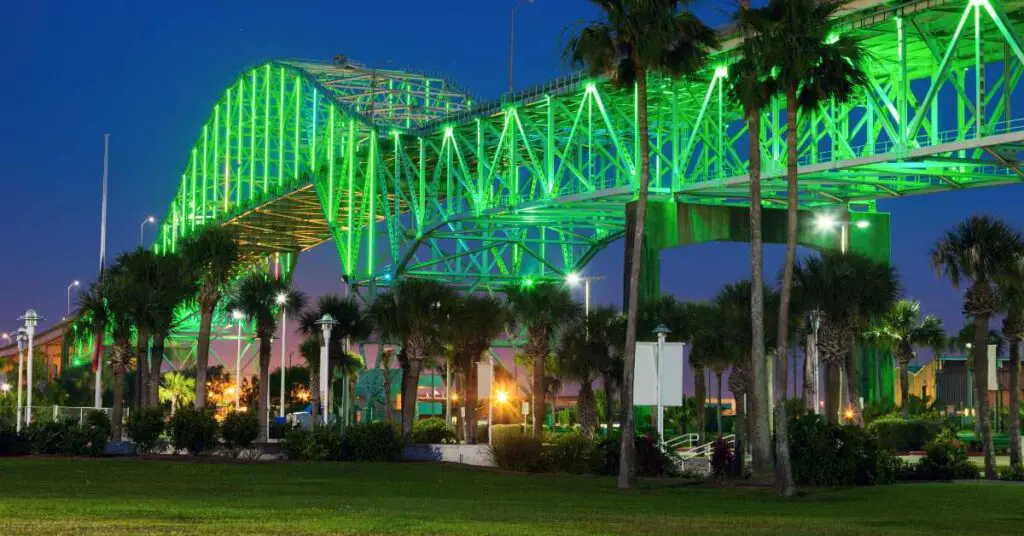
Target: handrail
{"points": [[707, 448], [685, 441]]}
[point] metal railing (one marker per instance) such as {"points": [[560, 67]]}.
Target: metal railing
{"points": [[682, 442], [707, 448], [52, 413]]}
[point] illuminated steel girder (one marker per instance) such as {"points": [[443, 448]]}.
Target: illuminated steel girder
{"points": [[408, 175]]}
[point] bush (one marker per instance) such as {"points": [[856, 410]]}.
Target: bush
{"points": [[47, 437], [895, 433], [572, 453], [239, 430], [433, 431], [372, 442], [97, 430], [12, 443], [502, 431], [722, 458], [945, 458], [1015, 473], [516, 452], [650, 460], [193, 430], [144, 426], [824, 454], [321, 443]]}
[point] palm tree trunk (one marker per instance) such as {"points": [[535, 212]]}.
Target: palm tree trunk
{"points": [[761, 442], [718, 412], [409, 398], [471, 402], [905, 387], [539, 407], [980, 350], [387, 396], [608, 395], [832, 396], [263, 405], [140, 397], [155, 364], [587, 408], [1014, 416], [314, 394], [809, 383], [203, 355], [740, 431], [853, 385], [627, 463], [403, 363], [117, 409], [783, 471], [701, 392]]}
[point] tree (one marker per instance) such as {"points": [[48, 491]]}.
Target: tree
{"points": [[811, 65], [902, 329], [752, 86], [91, 323], [476, 321], [171, 285], [122, 290], [259, 297], [584, 350], [543, 310], [849, 290], [976, 252], [415, 313], [635, 39], [213, 257], [309, 349], [1011, 292], [178, 390], [353, 325], [140, 266]]}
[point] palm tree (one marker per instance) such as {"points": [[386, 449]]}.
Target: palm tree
{"points": [[810, 66], [1011, 292], [309, 349], [353, 324], [415, 313], [170, 287], [258, 296], [752, 86], [177, 389], [213, 257], [140, 265], [977, 252], [385, 357], [122, 290], [543, 310], [636, 39], [902, 329], [476, 321], [91, 322], [584, 350], [849, 290]]}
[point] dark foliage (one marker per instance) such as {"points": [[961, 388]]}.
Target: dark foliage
{"points": [[433, 431], [144, 427], [193, 430], [831, 455], [238, 431]]}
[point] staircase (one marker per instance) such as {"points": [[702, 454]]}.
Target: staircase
{"points": [[691, 457]]}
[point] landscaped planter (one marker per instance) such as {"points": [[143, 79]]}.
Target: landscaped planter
{"points": [[478, 455]]}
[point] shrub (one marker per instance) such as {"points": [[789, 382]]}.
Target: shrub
{"points": [[433, 431], [650, 460], [514, 452], [239, 430], [722, 458], [13, 443], [1015, 473], [502, 431], [46, 437], [945, 458], [97, 419], [830, 455], [572, 453], [193, 430], [895, 433], [372, 442], [97, 429], [144, 426], [320, 443]]}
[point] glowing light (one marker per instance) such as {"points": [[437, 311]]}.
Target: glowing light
{"points": [[75, 283], [150, 219], [848, 414], [236, 314], [282, 298], [825, 222], [573, 279], [455, 397], [5, 387], [528, 282], [501, 397], [863, 224], [721, 71]]}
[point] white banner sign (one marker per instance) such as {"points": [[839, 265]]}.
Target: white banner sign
{"points": [[645, 374]]}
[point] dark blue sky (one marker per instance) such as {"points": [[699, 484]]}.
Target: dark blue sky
{"points": [[148, 74]]}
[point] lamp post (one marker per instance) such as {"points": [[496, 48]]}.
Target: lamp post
{"points": [[142, 229], [22, 341], [661, 331], [70, 287], [326, 323], [574, 279], [237, 315], [282, 300], [31, 319], [512, 41]]}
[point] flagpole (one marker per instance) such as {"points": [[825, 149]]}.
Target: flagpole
{"points": [[98, 345]]}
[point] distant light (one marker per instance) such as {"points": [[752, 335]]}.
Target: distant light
{"points": [[863, 224], [236, 314], [501, 397], [448, 131], [151, 219], [387, 276], [75, 283], [721, 71], [5, 387], [825, 222], [455, 397], [573, 279], [848, 414], [282, 298], [528, 282]]}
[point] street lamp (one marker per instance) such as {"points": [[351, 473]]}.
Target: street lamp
{"points": [[827, 222], [282, 299], [71, 286], [326, 323], [574, 279], [237, 315], [512, 41], [661, 331], [22, 338], [31, 319], [142, 229]]}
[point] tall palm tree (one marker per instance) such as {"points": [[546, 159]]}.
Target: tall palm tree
{"points": [[258, 296], [635, 39], [849, 290], [385, 357], [122, 290], [415, 313], [177, 389], [584, 350], [1011, 292], [214, 258], [170, 287], [976, 252], [543, 310], [752, 86], [810, 66], [309, 349], [140, 265], [902, 329], [353, 325], [476, 321], [91, 323]]}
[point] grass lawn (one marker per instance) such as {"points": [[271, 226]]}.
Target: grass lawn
{"points": [[118, 497]]}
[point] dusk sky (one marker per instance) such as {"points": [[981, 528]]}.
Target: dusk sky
{"points": [[149, 73]]}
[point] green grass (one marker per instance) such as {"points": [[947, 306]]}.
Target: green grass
{"points": [[118, 497]]}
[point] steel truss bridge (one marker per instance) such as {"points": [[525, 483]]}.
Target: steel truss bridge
{"points": [[409, 175]]}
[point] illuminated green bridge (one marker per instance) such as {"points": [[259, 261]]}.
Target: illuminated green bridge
{"points": [[410, 175]]}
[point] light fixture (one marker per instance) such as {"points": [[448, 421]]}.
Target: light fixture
{"points": [[282, 298], [825, 222], [501, 397], [573, 279], [5, 387], [236, 314], [863, 224]]}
